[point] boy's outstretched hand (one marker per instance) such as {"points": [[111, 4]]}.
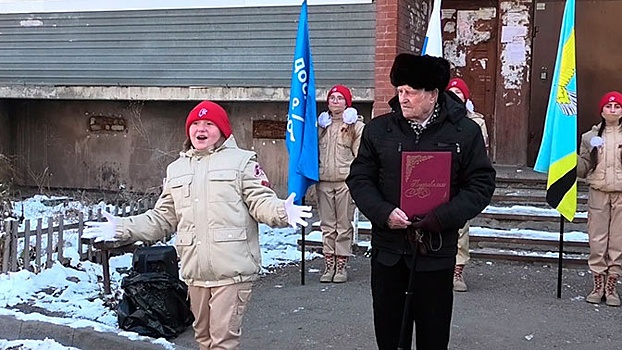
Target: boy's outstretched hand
{"points": [[101, 231], [296, 213]]}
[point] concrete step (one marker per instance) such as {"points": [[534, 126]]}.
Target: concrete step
{"points": [[529, 245], [494, 244], [507, 218], [482, 236], [491, 253], [532, 183], [518, 205], [527, 218], [506, 196], [576, 259]]}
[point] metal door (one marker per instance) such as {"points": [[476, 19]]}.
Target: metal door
{"points": [[547, 24]]}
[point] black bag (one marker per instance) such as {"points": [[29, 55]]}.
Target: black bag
{"points": [[155, 301], [154, 304], [156, 259]]}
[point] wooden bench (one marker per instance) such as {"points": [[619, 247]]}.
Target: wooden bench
{"points": [[104, 249]]}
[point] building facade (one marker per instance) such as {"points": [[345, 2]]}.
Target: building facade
{"points": [[95, 97]]}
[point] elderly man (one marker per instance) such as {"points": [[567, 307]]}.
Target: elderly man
{"points": [[424, 118]]}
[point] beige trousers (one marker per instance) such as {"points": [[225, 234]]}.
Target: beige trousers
{"points": [[463, 256], [604, 228], [218, 314], [335, 210]]}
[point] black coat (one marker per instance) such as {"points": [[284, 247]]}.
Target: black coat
{"points": [[374, 179]]}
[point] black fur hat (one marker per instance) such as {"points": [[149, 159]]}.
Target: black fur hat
{"points": [[420, 72]]}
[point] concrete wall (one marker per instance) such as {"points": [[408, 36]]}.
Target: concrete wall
{"points": [[57, 147]]}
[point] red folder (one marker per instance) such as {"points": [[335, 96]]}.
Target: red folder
{"points": [[426, 181]]}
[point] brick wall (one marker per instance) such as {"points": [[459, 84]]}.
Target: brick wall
{"points": [[400, 27]]}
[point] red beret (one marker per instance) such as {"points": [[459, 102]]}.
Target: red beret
{"points": [[208, 110], [611, 96], [342, 90], [460, 84]]}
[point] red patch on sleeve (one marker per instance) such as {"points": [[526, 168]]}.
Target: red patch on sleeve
{"points": [[259, 171]]}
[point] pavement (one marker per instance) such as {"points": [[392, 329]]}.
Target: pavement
{"points": [[510, 306]]}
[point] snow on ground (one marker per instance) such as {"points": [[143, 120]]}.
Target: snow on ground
{"points": [[76, 291], [572, 236], [42, 207], [73, 295], [528, 210]]}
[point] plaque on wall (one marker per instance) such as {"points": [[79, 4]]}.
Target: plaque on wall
{"points": [[269, 129], [105, 123]]}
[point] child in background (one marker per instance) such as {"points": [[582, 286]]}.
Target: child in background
{"points": [[600, 163], [460, 89], [339, 138]]}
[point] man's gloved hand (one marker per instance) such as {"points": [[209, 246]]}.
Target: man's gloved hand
{"points": [[429, 223], [101, 231], [296, 213]]}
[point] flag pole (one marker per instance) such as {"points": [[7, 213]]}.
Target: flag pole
{"points": [[433, 42], [302, 258], [558, 150], [301, 137], [560, 258]]}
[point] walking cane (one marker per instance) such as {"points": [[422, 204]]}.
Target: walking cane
{"points": [[415, 239]]}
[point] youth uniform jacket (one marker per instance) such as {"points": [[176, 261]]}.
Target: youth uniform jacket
{"points": [[479, 119], [607, 177], [214, 201], [338, 149], [374, 179]]}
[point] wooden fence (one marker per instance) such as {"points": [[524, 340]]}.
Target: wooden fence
{"points": [[36, 258]]}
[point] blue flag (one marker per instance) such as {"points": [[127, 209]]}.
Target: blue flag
{"points": [[301, 137], [558, 150], [433, 42]]}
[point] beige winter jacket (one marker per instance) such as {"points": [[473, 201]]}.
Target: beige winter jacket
{"points": [[607, 176], [339, 145], [214, 201], [479, 119]]}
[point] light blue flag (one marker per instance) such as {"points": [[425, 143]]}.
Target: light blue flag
{"points": [[433, 42], [301, 137], [558, 150]]}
